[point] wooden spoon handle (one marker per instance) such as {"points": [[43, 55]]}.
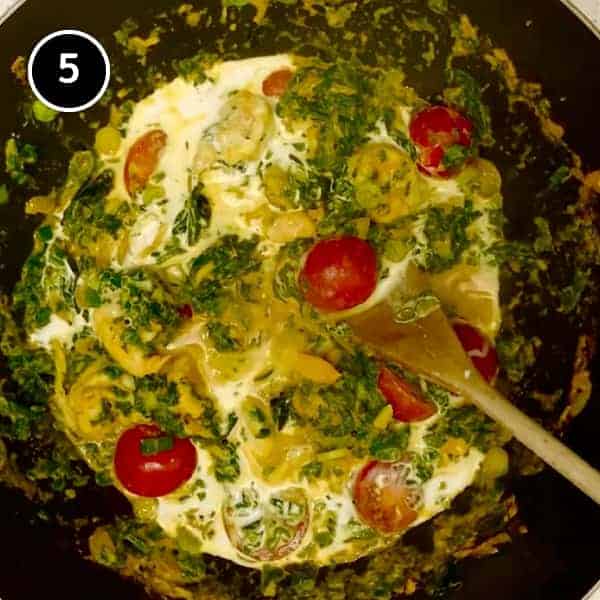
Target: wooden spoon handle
{"points": [[536, 438]]}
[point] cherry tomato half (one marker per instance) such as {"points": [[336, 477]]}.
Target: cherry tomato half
{"points": [[480, 350], [283, 520], [157, 474], [406, 401], [276, 83], [339, 273], [383, 498], [142, 160], [434, 131]]}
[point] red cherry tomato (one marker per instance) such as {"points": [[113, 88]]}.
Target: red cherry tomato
{"points": [[153, 475], [408, 404], [142, 160], [185, 311], [383, 498], [339, 273], [480, 350], [276, 83], [276, 515], [434, 130]]}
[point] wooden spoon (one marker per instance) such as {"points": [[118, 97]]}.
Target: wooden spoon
{"points": [[430, 347]]}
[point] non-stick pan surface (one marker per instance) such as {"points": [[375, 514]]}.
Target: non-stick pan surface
{"points": [[558, 559]]}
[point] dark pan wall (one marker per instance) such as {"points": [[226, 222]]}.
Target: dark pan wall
{"points": [[558, 560]]}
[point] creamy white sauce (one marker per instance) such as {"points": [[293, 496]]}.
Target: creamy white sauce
{"points": [[58, 329], [186, 113], [447, 483]]}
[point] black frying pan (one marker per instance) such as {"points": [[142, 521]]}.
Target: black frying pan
{"points": [[558, 559]]}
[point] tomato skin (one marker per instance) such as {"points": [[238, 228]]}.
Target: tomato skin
{"points": [[154, 475], [339, 273], [383, 499], [406, 401], [276, 83], [142, 160], [277, 549], [434, 130], [185, 311], [479, 349]]}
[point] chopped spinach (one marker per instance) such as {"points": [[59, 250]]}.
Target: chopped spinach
{"points": [[571, 294], [47, 285], [19, 156], [221, 336], [193, 68], [227, 260], [86, 216], [347, 408], [226, 461], [467, 423], [312, 470], [230, 257], [447, 236], [280, 409], [390, 445], [194, 217], [466, 93], [560, 176], [333, 96]]}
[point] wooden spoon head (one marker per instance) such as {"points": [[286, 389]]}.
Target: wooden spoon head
{"points": [[427, 346]]}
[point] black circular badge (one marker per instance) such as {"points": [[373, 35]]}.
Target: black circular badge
{"points": [[69, 70]]}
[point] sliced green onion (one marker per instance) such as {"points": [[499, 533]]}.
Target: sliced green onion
{"points": [[155, 445], [45, 233], [92, 298], [43, 113], [43, 316], [108, 141], [152, 193]]}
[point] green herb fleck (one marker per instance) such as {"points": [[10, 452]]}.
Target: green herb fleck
{"points": [[43, 113], [222, 338], [455, 156], [194, 217], [560, 176], [390, 445], [18, 158], [45, 233], [155, 445], [4, 196]]}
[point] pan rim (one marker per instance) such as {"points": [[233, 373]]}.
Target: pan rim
{"points": [[594, 593], [570, 4], [583, 16], [11, 10], [14, 6]]}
